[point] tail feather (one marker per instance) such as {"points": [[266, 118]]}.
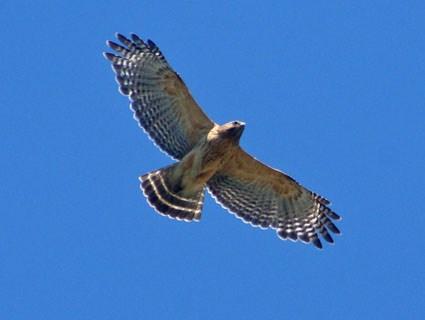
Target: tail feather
{"points": [[160, 195]]}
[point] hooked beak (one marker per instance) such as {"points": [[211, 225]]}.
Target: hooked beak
{"points": [[237, 130]]}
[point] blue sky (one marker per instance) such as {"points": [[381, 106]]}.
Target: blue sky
{"points": [[332, 93]]}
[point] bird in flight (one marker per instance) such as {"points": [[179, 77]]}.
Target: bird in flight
{"points": [[209, 155]]}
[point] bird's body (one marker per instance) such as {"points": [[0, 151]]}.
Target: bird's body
{"points": [[187, 179], [209, 155]]}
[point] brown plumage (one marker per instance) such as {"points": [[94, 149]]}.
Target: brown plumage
{"points": [[209, 155]]}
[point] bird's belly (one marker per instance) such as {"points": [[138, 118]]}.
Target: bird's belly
{"points": [[200, 165]]}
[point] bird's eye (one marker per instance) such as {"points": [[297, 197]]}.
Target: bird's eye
{"points": [[235, 123]]}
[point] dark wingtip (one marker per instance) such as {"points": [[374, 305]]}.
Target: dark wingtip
{"points": [[321, 199], [113, 45], [122, 38], [135, 37], [151, 44], [333, 228], [325, 201], [317, 243], [327, 237], [336, 230], [333, 215], [109, 56]]}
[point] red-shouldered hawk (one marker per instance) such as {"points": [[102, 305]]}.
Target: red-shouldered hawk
{"points": [[209, 155]]}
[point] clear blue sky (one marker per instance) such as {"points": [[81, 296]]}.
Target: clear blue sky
{"points": [[332, 93]]}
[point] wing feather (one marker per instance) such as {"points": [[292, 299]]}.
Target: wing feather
{"points": [[161, 102], [268, 198]]}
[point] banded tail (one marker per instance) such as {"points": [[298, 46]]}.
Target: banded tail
{"points": [[167, 197]]}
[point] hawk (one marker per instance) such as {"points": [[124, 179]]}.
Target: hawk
{"points": [[209, 155]]}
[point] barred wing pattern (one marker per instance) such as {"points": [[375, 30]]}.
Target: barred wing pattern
{"points": [[159, 98], [268, 198]]}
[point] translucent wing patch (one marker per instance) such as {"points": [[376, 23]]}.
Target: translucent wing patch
{"points": [[160, 100], [267, 198]]}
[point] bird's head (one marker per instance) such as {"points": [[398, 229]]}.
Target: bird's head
{"points": [[232, 130]]}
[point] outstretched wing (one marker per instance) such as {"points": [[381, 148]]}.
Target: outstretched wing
{"points": [[269, 198], [159, 98]]}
